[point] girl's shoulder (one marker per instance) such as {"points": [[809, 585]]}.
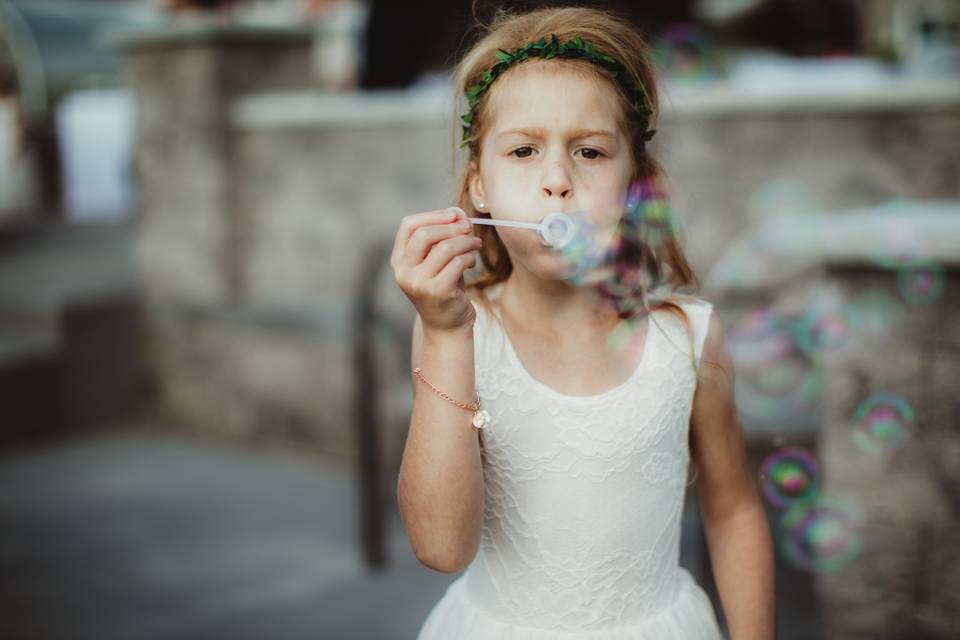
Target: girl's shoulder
{"points": [[484, 297], [694, 328], [691, 302], [477, 297], [694, 314], [483, 303]]}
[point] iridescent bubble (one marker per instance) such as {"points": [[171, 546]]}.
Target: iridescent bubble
{"points": [[625, 335], [920, 282], [758, 338], [820, 331], [683, 53], [786, 390], [648, 216], [558, 228], [788, 475], [883, 422], [782, 376], [586, 250], [774, 380], [875, 313], [623, 265], [820, 535]]}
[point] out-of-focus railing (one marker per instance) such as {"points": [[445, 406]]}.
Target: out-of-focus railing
{"points": [[368, 403]]}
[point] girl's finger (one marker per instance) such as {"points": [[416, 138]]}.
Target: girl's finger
{"points": [[425, 238], [449, 277], [409, 224], [442, 252]]}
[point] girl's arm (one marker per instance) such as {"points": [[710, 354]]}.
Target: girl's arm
{"points": [[440, 488], [741, 548]]}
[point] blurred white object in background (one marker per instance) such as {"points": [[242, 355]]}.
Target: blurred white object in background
{"points": [[338, 49], [778, 248], [18, 177], [923, 35], [935, 47], [276, 13], [719, 10], [96, 133], [773, 73]]}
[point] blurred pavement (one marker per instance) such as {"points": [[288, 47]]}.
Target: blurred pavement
{"points": [[144, 535]]}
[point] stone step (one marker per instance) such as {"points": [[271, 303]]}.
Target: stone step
{"points": [[81, 367], [70, 352], [25, 333]]}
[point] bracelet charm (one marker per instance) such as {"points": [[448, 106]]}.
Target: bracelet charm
{"points": [[480, 417]]}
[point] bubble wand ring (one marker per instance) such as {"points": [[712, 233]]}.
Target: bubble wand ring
{"points": [[556, 230]]}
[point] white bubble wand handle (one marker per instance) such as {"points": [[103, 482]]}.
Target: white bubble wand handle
{"points": [[507, 223], [556, 229]]}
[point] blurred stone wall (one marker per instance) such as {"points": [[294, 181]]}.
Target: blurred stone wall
{"points": [[261, 203], [266, 209], [905, 580]]}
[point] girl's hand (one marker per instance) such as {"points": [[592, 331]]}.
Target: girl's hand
{"points": [[431, 251]]}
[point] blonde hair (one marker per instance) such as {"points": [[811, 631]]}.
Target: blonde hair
{"points": [[613, 34]]}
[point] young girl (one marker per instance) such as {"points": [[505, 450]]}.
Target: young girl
{"points": [[554, 397]]}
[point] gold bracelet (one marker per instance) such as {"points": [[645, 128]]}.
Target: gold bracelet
{"points": [[480, 417]]}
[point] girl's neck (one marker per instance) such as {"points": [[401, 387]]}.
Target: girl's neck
{"points": [[556, 306]]}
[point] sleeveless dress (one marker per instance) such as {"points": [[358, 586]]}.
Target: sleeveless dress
{"points": [[583, 498]]}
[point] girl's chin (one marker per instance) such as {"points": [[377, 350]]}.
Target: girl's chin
{"points": [[553, 265]]}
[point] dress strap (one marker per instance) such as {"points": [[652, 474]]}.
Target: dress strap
{"points": [[699, 311], [674, 333], [481, 332]]}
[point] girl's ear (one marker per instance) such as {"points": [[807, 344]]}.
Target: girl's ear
{"points": [[475, 184]]}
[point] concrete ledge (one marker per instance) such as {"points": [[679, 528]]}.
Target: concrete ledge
{"points": [[435, 104], [723, 100], [300, 109], [780, 247], [178, 34]]}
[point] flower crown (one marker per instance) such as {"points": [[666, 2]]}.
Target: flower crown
{"points": [[553, 48]]}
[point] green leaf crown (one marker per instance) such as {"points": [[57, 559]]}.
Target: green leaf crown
{"points": [[553, 48]]}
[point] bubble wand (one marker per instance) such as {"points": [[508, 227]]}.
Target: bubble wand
{"points": [[556, 229]]}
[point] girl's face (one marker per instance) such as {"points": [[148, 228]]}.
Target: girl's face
{"points": [[553, 144]]}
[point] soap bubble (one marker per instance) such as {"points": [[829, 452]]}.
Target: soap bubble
{"points": [[820, 331], [621, 261], [557, 229], [647, 214], [820, 535], [920, 281], [633, 276], [789, 475], [775, 381], [875, 313], [581, 244], [883, 422], [758, 338], [683, 53]]}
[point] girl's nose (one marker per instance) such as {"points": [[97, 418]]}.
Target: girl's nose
{"points": [[557, 181], [556, 189]]}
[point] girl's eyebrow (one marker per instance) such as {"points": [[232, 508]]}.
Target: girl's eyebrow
{"points": [[576, 134]]}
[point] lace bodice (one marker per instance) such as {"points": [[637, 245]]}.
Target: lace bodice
{"points": [[584, 494]]}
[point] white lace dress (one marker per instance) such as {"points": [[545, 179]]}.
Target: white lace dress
{"points": [[583, 499]]}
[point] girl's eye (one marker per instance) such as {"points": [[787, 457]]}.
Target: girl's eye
{"points": [[528, 150]]}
